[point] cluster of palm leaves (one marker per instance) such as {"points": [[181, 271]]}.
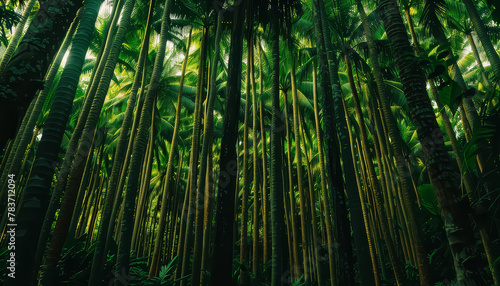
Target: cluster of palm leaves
{"points": [[252, 142]]}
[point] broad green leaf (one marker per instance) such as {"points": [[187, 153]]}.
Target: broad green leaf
{"points": [[428, 198], [450, 95]]}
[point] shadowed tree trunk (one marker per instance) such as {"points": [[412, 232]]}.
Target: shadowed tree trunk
{"points": [[84, 148], [206, 151], [24, 73], [228, 166], [36, 197], [396, 143], [276, 194], [457, 223]]}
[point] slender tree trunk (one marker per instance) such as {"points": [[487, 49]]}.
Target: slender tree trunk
{"points": [[255, 190], [483, 36], [203, 202], [153, 269], [265, 194], [395, 139], [292, 226], [316, 244], [205, 155], [276, 196], [123, 256], [244, 275], [195, 210], [223, 242], [100, 252], [298, 158]]}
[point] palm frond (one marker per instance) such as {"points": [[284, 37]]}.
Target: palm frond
{"points": [[433, 12]]}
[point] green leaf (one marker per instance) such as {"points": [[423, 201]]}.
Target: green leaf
{"points": [[428, 198], [163, 272], [450, 95]]}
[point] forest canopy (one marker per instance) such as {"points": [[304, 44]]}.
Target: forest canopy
{"points": [[250, 142]]}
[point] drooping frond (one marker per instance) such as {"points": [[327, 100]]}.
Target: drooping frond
{"points": [[432, 16]]}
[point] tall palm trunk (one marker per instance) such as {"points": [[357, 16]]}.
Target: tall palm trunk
{"points": [[71, 192], [298, 158], [276, 195], [395, 139], [66, 168], [315, 246], [456, 221], [153, 269], [14, 40], [377, 192], [123, 256], [36, 198], [195, 210], [483, 36], [203, 213], [319, 140], [98, 259], [292, 223], [265, 194], [255, 189], [24, 73], [53, 205], [244, 277], [228, 162], [205, 156]]}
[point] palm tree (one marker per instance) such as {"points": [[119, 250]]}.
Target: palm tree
{"points": [[276, 193], [123, 257], [98, 258], [331, 88], [68, 203], [175, 137], [244, 277], [17, 35], [457, 223], [223, 240], [31, 61], [36, 196], [395, 140], [483, 36], [205, 155]]}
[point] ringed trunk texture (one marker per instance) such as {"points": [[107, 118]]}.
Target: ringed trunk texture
{"points": [[457, 222]]}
